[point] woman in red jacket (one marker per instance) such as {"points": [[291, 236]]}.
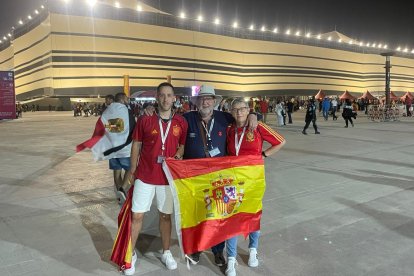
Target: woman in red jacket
{"points": [[242, 141]]}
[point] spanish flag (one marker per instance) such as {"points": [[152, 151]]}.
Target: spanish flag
{"points": [[122, 249], [215, 198]]}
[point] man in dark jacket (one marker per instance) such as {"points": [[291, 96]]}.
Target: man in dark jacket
{"points": [[311, 116]]}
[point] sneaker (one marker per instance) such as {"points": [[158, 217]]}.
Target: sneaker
{"points": [[219, 259], [253, 261], [168, 260], [131, 271], [304, 132], [231, 266], [345, 126], [317, 132], [195, 257], [121, 196]]}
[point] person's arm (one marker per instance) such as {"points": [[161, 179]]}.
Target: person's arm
{"points": [[276, 140], [135, 153], [180, 152], [252, 121]]}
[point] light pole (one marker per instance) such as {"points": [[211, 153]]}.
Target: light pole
{"points": [[387, 67]]}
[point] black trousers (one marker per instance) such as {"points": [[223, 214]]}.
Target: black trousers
{"points": [[308, 123], [348, 119]]}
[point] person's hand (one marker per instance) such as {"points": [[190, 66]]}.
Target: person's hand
{"points": [[252, 122], [178, 157], [131, 177], [149, 110]]}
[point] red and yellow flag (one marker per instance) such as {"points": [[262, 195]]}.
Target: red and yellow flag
{"points": [[122, 249], [215, 198]]}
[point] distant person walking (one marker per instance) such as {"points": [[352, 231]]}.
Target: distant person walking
{"points": [[348, 113], [311, 116]]}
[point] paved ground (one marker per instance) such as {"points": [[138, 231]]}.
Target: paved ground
{"points": [[339, 203]]}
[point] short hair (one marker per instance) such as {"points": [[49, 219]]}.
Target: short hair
{"points": [[237, 101], [164, 84], [110, 97], [119, 97]]}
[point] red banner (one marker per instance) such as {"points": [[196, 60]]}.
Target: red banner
{"points": [[7, 96]]}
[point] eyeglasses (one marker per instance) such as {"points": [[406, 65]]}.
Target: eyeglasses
{"points": [[241, 109], [207, 99]]}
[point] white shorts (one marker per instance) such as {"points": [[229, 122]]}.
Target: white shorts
{"points": [[144, 194]]}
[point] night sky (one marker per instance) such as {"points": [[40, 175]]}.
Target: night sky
{"points": [[370, 21]]}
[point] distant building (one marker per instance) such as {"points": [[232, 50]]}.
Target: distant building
{"points": [[74, 50]]}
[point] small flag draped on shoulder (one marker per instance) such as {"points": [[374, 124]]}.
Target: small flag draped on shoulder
{"points": [[111, 131], [215, 198]]}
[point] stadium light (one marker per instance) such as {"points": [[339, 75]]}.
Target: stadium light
{"points": [[319, 36], [251, 28], [380, 45], [42, 7], [4, 38], [361, 43], [368, 44], [139, 8], [275, 30], [351, 42], [329, 38], [385, 46], [308, 35], [21, 22], [374, 45], [200, 18], [288, 32], [412, 51], [235, 24], [217, 21], [399, 48], [117, 5], [339, 40], [9, 34], [91, 2], [36, 12], [29, 17], [405, 50], [263, 28], [182, 15], [297, 33]]}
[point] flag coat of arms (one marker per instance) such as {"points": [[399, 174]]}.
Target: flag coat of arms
{"points": [[215, 198], [111, 130]]}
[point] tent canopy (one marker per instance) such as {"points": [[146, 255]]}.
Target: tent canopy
{"points": [[367, 96], [320, 95], [407, 94], [346, 96]]}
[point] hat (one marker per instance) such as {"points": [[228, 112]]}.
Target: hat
{"points": [[206, 90]]}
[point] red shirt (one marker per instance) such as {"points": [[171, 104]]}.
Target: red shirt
{"points": [[263, 106], [148, 132], [252, 142]]}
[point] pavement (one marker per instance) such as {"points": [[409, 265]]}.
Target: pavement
{"points": [[338, 203]]}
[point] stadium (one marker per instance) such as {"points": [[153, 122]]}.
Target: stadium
{"points": [[76, 50]]}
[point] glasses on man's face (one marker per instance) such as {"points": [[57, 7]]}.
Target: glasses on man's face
{"points": [[206, 99], [241, 109]]}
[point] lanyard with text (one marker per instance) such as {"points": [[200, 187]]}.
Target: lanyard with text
{"points": [[163, 138], [237, 141], [208, 133]]}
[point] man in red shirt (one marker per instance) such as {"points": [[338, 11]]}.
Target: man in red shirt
{"points": [[156, 137], [264, 108]]}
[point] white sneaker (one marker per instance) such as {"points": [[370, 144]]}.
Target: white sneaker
{"points": [[168, 260], [253, 261], [131, 271], [231, 266]]}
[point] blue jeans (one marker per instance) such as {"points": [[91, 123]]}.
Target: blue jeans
{"points": [[231, 244], [218, 248]]}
